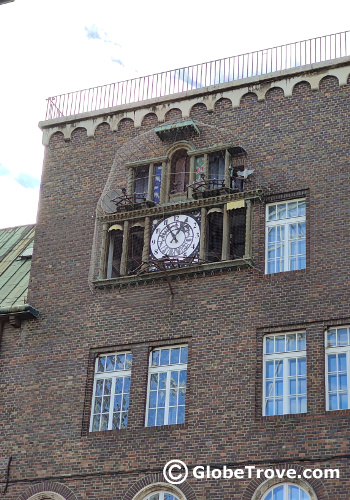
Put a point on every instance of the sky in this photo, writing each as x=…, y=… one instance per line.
x=49, y=48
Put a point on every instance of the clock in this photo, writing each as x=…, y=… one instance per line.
x=175, y=237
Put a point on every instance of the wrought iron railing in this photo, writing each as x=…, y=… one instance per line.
x=202, y=75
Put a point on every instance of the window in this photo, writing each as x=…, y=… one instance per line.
x=179, y=172
x=338, y=367
x=141, y=183
x=284, y=374
x=146, y=182
x=285, y=236
x=167, y=386
x=286, y=491
x=110, y=402
x=161, y=495
x=217, y=169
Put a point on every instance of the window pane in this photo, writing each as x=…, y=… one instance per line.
x=108, y=386
x=333, y=402
x=164, y=357
x=342, y=362
x=181, y=415
x=271, y=214
x=332, y=382
x=269, y=345
x=154, y=381
x=99, y=387
x=301, y=207
x=291, y=342
x=269, y=369
x=331, y=338
x=110, y=363
x=155, y=358
x=278, y=493
x=151, y=418
x=184, y=354
x=101, y=364
x=301, y=366
x=280, y=343
x=119, y=385
x=96, y=423
x=120, y=361
x=128, y=361
x=293, y=209
x=160, y=416
x=175, y=356
x=342, y=336
x=301, y=337
x=292, y=366
x=343, y=400
x=269, y=407
x=332, y=362
x=281, y=211
x=153, y=399
x=342, y=382
x=126, y=384
x=302, y=404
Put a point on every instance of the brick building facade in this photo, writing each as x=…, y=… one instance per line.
x=258, y=316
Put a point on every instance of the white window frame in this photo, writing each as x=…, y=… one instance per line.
x=113, y=374
x=161, y=495
x=285, y=356
x=286, y=490
x=286, y=222
x=338, y=348
x=161, y=369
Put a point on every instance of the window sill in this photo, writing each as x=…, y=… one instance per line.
x=193, y=270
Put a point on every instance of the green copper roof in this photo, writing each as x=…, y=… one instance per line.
x=16, y=245
x=170, y=130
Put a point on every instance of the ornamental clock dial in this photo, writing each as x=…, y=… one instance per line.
x=175, y=237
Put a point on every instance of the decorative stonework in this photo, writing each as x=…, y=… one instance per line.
x=48, y=490
x=258, y=487
x=155, y=482
x=234, y=91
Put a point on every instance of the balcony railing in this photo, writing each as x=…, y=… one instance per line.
x=202, y=75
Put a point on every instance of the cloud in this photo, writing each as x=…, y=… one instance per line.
x=92, y=32
x=3, y=170
x=118, y=61
x=27, y=181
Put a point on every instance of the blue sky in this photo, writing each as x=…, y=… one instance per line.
x=51, y=48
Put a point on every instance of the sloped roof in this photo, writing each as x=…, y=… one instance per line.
x=16, y=245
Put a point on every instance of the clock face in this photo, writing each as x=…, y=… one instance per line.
x=175, y=237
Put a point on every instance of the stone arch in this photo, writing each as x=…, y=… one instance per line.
x=258, y=487
x=222, y=104
x=155, y=482
x=329, y=83
x=149, y=120
x=302, y=89
x=179, y=145
x=173, y=114
x=125, y=124
x=274, y=94
x=248, y=99
x=56, y=138
x=198, y=110
x=48, y=490
x=100, y=125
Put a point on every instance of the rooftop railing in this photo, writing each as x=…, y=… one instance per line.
x=202, y=75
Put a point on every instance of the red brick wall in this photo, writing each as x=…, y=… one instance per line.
x=293, y=143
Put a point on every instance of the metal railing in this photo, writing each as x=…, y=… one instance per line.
x=202, y=75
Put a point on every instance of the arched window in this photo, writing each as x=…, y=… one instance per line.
x=286, y=491
x=161, y=495
x=179, y=173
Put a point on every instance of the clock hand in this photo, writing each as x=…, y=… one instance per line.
x=173, y=235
